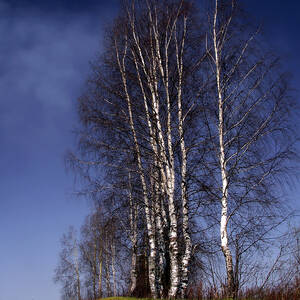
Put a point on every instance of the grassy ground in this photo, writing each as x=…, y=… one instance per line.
x=268, y=297
x=125, y=298
x=132, y=298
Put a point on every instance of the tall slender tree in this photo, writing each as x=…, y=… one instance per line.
x=247, y=113
x=68, y=271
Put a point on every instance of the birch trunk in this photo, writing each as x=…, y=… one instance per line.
x=113, y=266
x=156, y=73
x=95, y=269
x=133, y=273
x=150, y=229
x=167, y=158
x=107, y=269
x=133, y=237
x=160, y=239
x=100, y=273
x=77, y=272
x=168, y=179
x=184, y=194
x=159, y=210
x=78, y=283
x=167, y=174
x=222, y=160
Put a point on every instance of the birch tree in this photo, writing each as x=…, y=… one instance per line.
x=139, y=97
x=100, y=255
x=185, y=120
x=133, y=215
x=91, y=249
x=249, y=131
x=68, y=271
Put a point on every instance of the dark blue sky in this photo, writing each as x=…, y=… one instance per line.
x=45, y=49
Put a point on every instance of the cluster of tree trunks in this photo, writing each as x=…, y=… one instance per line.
x=186, y=122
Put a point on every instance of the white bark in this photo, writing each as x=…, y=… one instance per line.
x=167, y=181
x=100, y=272
x=150, y=229
x=107, y=268
x=76, y=264
x=222, y=160
x=184, y=194
x=77, y=273
x=95, y=269
x=168, y=158
x=156, y=71
x=113, y=266
x=133, y=237
x=160, y=238
x=159, y=210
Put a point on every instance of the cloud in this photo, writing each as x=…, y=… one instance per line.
x=44, y=63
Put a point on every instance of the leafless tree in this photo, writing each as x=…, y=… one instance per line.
x=138, y=108
x=68, y=271
x=247, y=112
x=101, y=254
x=185, y=121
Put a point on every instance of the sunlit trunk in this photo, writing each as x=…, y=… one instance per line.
x=150, y=229
x=158, y=209
x=222, y=160
x=167, y=152
x=184, y=193
x=160, y=237
x=133, y=238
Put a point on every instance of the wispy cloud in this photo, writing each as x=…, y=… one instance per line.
x=44, y=62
